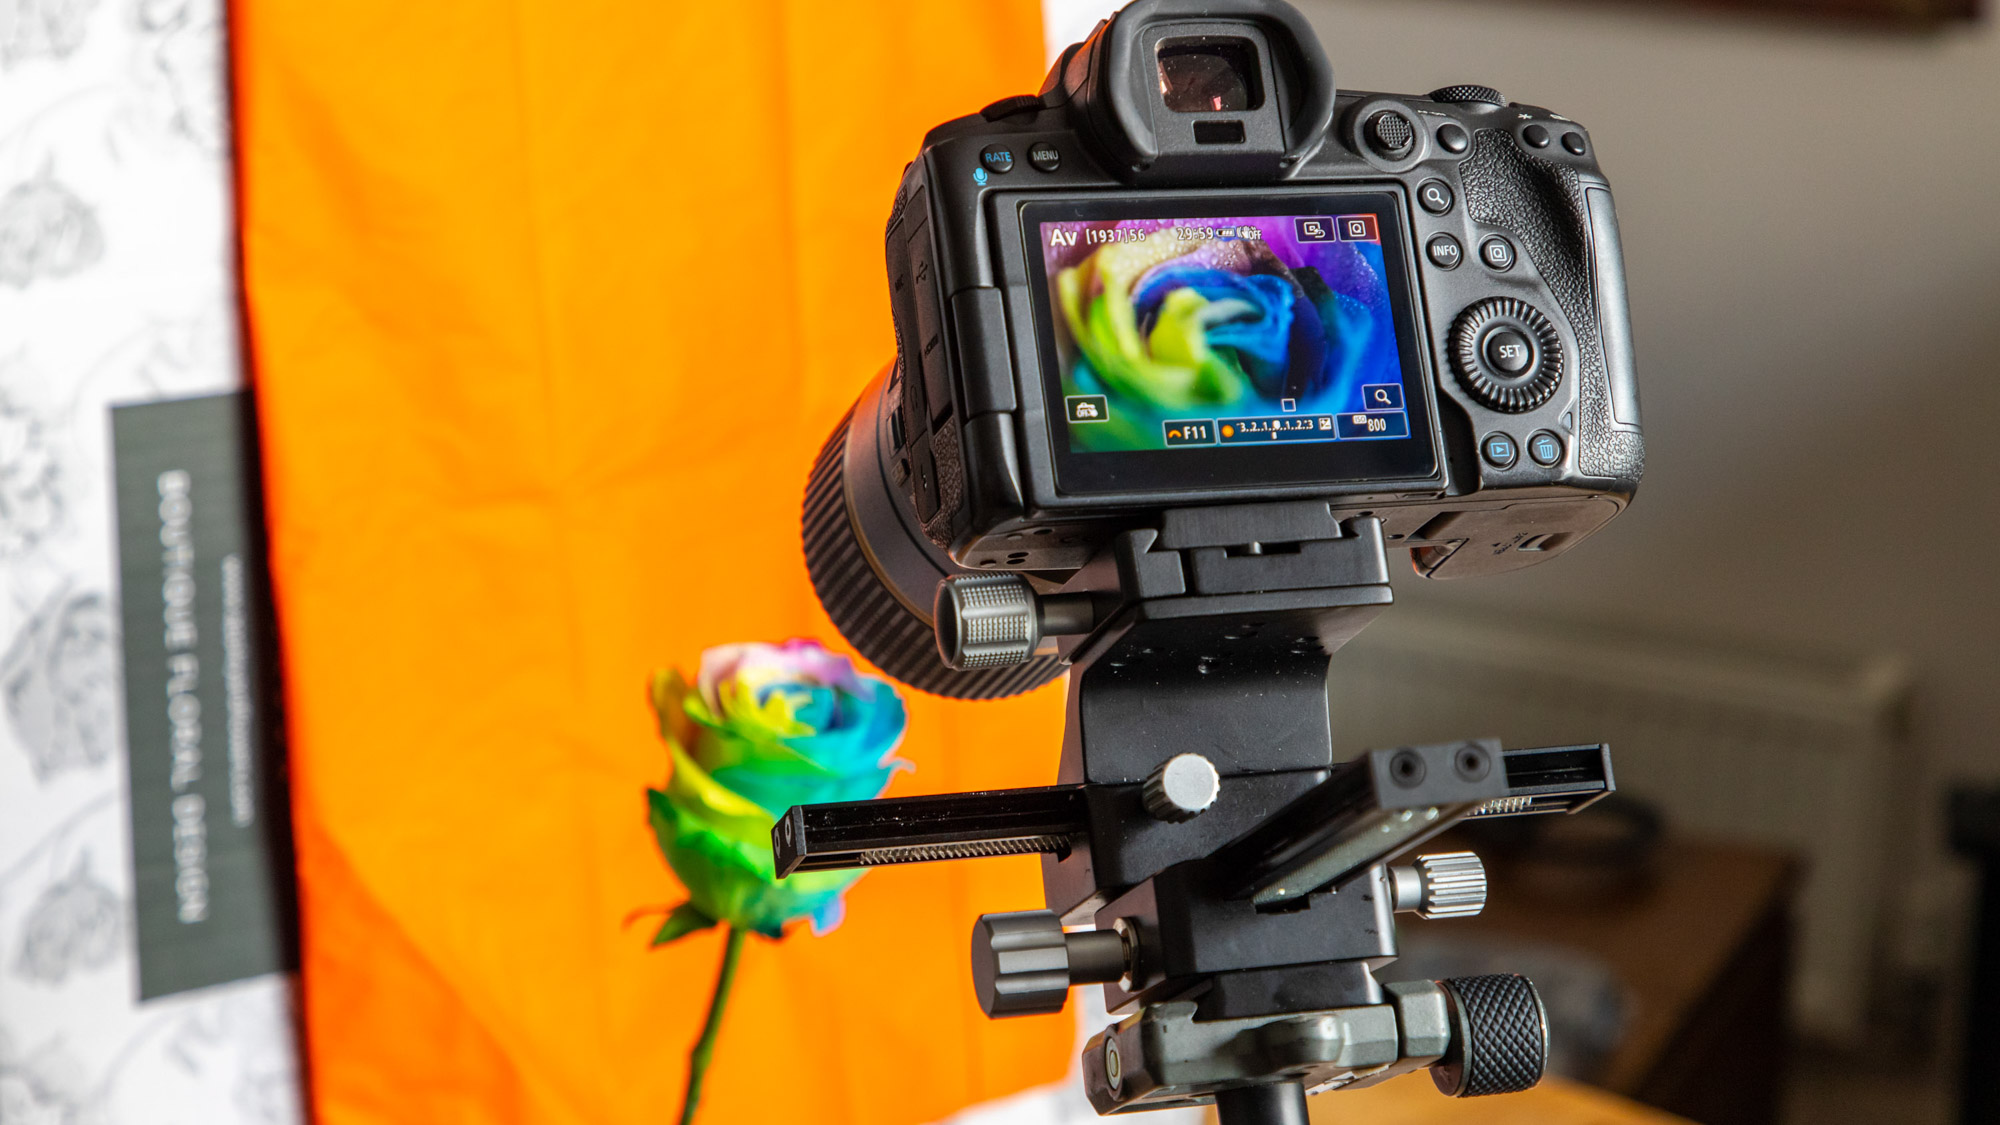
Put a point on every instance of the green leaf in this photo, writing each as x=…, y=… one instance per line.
x=685, y=920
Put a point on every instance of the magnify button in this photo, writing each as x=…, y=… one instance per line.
x=1382, y=396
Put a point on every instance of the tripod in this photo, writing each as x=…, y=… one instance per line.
x=1235, y=880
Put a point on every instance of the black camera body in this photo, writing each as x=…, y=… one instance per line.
x=1500, y=258
x=1191, y=274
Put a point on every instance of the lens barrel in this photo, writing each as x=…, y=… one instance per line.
x=876, y=573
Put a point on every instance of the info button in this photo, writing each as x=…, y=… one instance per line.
x=1444, y=251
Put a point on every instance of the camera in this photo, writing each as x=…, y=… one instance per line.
x=1191, y=273
x=1186, y=343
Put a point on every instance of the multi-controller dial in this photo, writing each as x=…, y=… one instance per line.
x=1390, y=134
x=1506, y=354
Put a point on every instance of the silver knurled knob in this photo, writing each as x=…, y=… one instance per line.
x=1181, y=788
x=1441, y=885
x=986, y=621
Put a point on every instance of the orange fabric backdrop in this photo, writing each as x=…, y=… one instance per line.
x=552, y=303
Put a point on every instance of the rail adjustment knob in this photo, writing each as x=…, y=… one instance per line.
x=1023, y=964
x=986, y=620
x=1499, y=1037
x=1441, y=885
x=1181, y=788
x=1019, y=964
x=1506, y=354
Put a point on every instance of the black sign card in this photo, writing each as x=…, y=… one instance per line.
x=211, y=856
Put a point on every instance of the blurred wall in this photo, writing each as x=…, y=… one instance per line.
x=1812, y=231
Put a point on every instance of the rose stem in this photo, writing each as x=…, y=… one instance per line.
x=705, y=1046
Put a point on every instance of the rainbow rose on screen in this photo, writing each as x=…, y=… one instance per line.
x=764, y=727
x=1206, y=328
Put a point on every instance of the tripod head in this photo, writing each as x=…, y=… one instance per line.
x=1232, y=887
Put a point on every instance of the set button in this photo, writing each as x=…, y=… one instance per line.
x=1499, y=450
x=1444, y=251
x=1507, y=351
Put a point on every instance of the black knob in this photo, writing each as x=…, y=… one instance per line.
x=1468, y=93
x=1499, y=1037
x=1506, y=354
x=1390, y=134
x=1023, y=964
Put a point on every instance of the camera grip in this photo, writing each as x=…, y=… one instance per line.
x=1566, y=227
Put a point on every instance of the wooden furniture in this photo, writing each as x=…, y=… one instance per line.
x=1703, y=950
x=1413, y=1100
x=1975, y=834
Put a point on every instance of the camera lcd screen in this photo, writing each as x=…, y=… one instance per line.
x=1238, y=345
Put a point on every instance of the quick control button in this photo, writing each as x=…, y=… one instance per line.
x=1453, y=138
x=1434, y=196
x=1499, y=451
x=1444, y=251
x=997, y=159
x=1497, y=253
x=1546, y=448
x=1390, y=134
x=1537, y=136
x=1573, y=142
x=1045, y=156
x=1507, y=351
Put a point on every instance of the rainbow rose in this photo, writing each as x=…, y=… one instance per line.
x=763, y=728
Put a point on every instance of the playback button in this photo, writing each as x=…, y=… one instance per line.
x=1500, y=450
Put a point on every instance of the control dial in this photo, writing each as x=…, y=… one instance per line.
x=1506, y=354
x=1467, y=93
